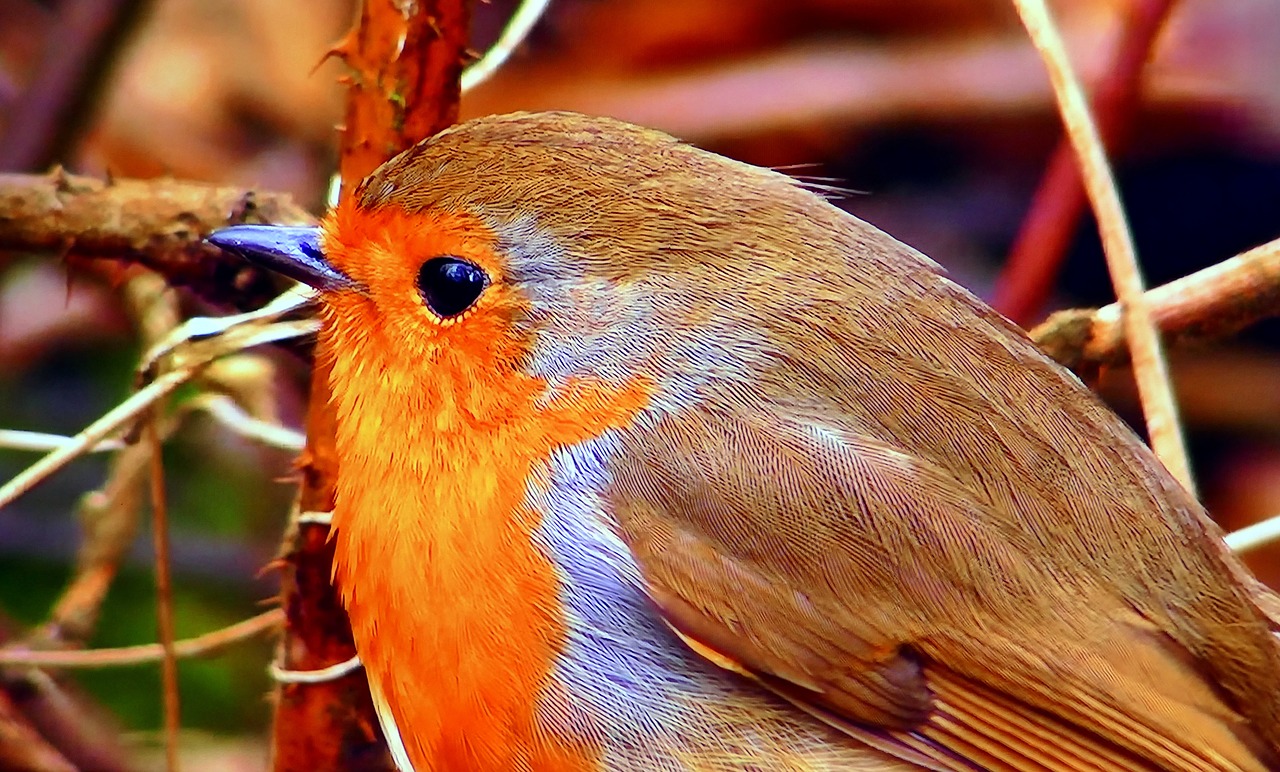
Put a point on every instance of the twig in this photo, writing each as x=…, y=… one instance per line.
x=118, y=416
x=1254, y=536
x=219, y=407
x=323, y=675
x=15, y=439
x=1150, y=368
x=195, y=337
x=201, y=354
x=164, y=595
x=518, y=28
x=1215, y=302
x=110, y=516
x=159, y=224
x=1041, y=245
x=225, y=411
x=54, y=107
x=92, y=659
x=314, y=518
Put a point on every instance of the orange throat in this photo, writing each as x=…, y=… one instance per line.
x=455, y=610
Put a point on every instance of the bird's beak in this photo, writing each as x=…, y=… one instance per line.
x=290, y=251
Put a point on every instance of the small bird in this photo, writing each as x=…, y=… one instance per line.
x=654, y=460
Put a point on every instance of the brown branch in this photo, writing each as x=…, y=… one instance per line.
x=159, y=224
x=403, y=87
x=1028, y=276
x=55, y=106
x=201, y=646
x=109, y=521
x=1217, y=302
x=317, y=724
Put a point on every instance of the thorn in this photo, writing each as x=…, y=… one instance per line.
x=61, y=180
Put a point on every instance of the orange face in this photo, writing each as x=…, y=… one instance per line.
x=387, y=252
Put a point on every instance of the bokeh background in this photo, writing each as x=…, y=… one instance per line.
x=935, y=115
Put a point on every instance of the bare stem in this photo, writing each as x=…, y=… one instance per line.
x=118, y=416
x=93, y=659
x=522, y=22
x=164, y=597
x=1151, y=370
x=1212, y=303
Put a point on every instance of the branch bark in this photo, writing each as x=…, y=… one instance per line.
x=405, y=67
x=1214, y=303
x=159, y=224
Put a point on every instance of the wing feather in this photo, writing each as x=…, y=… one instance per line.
x=859, y=580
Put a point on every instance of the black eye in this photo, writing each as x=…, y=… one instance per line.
x=450, y=285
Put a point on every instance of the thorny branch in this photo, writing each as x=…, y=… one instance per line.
x=159, y=224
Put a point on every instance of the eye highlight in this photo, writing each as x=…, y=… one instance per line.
x=450, y=285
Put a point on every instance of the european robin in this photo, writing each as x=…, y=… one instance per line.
x=654, y=460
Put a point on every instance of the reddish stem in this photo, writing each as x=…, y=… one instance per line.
x=1037, y=254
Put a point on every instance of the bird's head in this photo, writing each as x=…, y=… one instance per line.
x=562, y=246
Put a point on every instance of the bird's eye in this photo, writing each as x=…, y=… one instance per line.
x=449, y=285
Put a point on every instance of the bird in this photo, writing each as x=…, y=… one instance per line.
x=650, y=459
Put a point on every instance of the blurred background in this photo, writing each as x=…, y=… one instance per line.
x=936, y=116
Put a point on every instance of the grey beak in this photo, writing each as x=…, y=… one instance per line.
x=286, y=250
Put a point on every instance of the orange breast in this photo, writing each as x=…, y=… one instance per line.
x=455, y=610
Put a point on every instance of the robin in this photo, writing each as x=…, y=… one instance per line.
x=654, y=460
